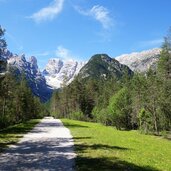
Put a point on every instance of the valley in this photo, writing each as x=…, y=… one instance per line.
x=85, y=85
x=59, y=72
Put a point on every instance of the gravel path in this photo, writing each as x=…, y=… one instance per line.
x=48, y=147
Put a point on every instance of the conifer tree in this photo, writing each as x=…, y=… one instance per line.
x=3, y=44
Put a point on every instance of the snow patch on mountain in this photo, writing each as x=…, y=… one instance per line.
x=58, y=72
x=140, y=61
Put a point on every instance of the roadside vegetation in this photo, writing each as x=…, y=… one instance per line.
x=12, y=134
x=141, y=101
x=104, y=148
x=17, y=102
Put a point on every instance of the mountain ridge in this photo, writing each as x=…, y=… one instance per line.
x=35, y=79
x=103, y=66
x=59, y=72
x=140, y=61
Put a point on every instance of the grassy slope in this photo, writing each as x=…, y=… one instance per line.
x=12, y=134
x=104, y=148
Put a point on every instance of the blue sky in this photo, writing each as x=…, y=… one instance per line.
x=80, y=28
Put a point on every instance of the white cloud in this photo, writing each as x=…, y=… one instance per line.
x=63, y=53
x=49, y=12
x=99, y=13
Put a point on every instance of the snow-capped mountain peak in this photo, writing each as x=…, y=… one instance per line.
x=58, y=71
x=33, y=62
x=53, y=66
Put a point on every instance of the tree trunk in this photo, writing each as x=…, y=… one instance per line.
x=155, y=123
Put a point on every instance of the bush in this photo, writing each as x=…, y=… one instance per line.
x=145, y=121
x=101, y=116
x=120, y=109
x=77, y=115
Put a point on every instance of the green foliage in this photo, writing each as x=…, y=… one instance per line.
x=103, y=67
x=3, y=44
x=145, y=121
x=17, y=103
x=101, y=116
x=3, y=62
x=121, y=99
x=120, y=109
x=77, y=115
x=82, y=97
x=106, y=149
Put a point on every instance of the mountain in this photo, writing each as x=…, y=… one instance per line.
x=58, y=72
x=36, y=80
x=140, y=61
x=103, y=66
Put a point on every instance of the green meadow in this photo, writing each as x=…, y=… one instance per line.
x=104, y=148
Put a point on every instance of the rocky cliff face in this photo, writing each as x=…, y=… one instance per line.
x=58, y=72
x=140, y=61
x=34, y=77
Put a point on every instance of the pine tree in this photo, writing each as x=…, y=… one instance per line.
x=120, y=109
x=138, y=94
x=56, y=105
x=3, y=45
x=7, y=91
x=164, y=73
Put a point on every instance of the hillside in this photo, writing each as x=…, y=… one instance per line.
x=101, y=66
x=58, y=72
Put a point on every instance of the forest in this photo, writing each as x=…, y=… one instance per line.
x=135, y=101
x=141, y=101
x=17, y=102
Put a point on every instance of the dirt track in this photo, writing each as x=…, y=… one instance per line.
x=48, y=147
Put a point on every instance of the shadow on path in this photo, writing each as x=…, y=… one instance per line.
x=49, y=146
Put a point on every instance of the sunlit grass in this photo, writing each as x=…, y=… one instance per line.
x=104, y=148
x=12, y=134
